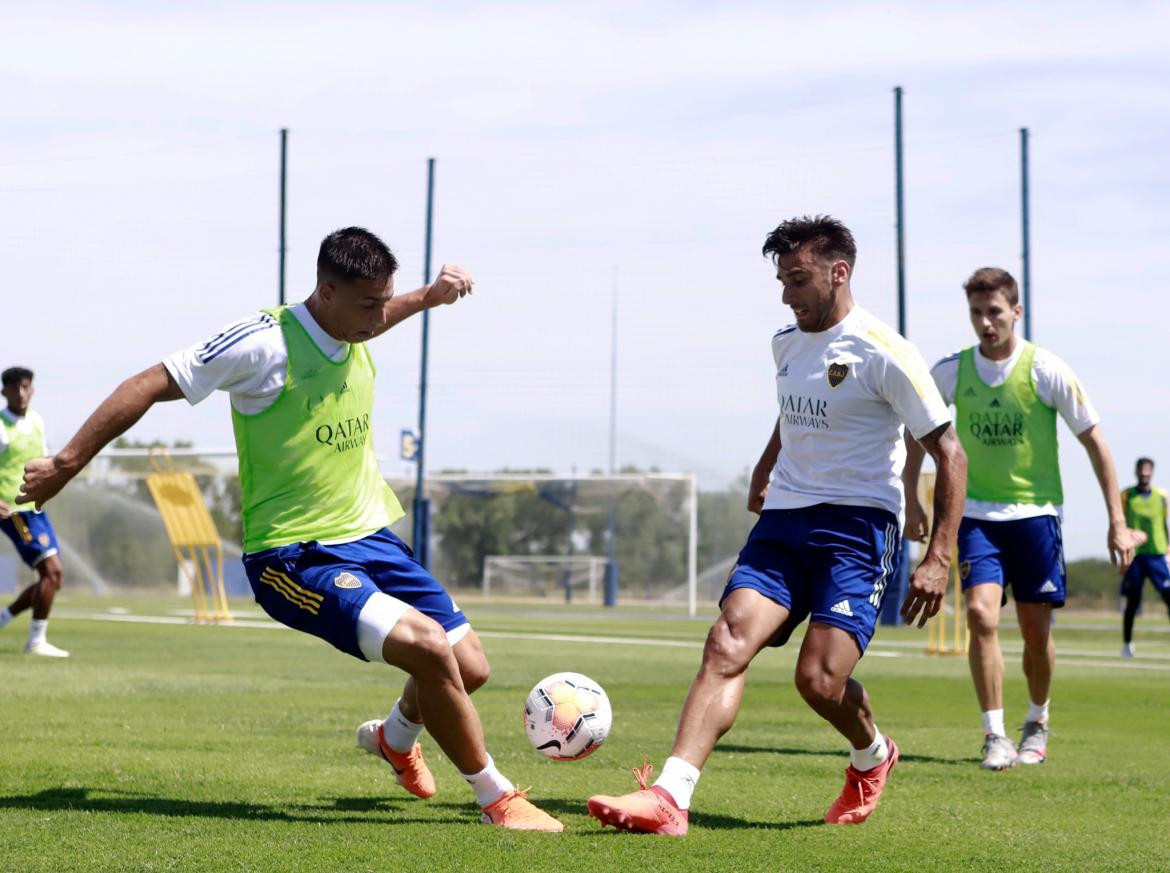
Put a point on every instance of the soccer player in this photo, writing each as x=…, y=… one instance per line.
x=316, y=510
x=22, y=438
x=1145, y=511
x=828, y=491
x=1007, y=393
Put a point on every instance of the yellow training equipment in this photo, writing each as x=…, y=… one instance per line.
x=193, y=536
x=949, y=634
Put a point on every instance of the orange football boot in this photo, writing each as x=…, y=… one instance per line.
x=515, y=811
x=862, y=791
x=650, y=810
x=410, y=770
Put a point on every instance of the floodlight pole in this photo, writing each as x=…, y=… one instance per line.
x=422, y=506
x=611, y=569
x=900, y=210
x=901, y=582
x=283, y=203
x=1025, y=230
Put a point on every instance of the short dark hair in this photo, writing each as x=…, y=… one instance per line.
x=15, y=374
x=824, y=234
x=1141, y=461
x=988, y=279
x=354, y=253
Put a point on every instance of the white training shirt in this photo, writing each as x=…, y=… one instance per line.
x=248, y=359
x=30, y=420
x=1056, y=386
x=844, y=395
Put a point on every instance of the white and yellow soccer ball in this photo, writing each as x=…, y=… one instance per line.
x=567, y=716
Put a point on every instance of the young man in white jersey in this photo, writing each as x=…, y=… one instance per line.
x=1007, y=393
x=318, y=549
x=828, y=491
x=22, y=438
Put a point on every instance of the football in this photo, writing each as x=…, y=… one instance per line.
x=567, y=716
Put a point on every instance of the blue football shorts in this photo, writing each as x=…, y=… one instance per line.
x=323, y=589
x=32, y=534
x=828, y=562
x=1026, y=554
x=1152, y=567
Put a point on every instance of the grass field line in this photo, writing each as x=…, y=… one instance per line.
x=1079, y=657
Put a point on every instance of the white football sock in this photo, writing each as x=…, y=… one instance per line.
x=399, y=731
x=489, y=784
x=679, y=778
x=871, y=755
x=993, y=723
x=5, y=616
x=1038, y=711
x=36, y=630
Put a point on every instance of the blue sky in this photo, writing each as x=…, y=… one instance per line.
x=138, y=164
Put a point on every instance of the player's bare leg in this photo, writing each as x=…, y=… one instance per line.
x=823, y=669
x=824, y=679
x=745, y=625
x=1039, y=664
x=418, y=645
x=985, y=658
x=39, y=596
x=473, y=668
x=395, y=738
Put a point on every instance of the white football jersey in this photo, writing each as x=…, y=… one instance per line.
x=248, y=359
x=844, y=396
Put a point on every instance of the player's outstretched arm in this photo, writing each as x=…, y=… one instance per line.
x=452, y=283
x=915, y=515
x=1121, y=541
x=44, y=477
x=928, y=583
x=762, y=474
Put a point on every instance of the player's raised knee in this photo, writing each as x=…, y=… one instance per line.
x=725, y=652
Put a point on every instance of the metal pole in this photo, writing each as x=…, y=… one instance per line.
x=901, y=580
x=283, y=202
x=422, y=509
x=693, y=547
x=611, y=569
x=1025, y=255
x=900, y=210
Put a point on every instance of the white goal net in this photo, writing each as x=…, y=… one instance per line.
x=573, y=578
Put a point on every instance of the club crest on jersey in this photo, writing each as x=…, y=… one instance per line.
x=837, y=373
x=346, y=580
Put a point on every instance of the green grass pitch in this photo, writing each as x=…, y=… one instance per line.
x=176, y=747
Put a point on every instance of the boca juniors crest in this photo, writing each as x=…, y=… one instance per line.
x=837, y=373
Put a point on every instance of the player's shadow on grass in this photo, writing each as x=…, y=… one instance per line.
x=113, y=800
x=576, y=806
x=723, y=823
x=836, y=753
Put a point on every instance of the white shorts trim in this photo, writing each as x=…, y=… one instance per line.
x=47, y=553
x=375, y=622
x=457, y=633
